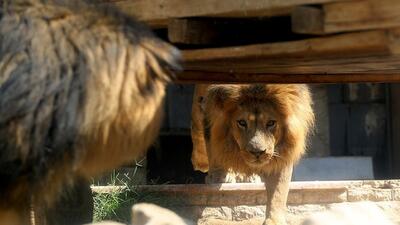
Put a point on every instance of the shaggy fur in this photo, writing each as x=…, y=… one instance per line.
x=252, y=129
x=81, y=92
x=292, y=103
x=199, y=154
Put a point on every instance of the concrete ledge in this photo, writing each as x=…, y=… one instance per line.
x=314, y=192
x=244, y=203
x=295, y=185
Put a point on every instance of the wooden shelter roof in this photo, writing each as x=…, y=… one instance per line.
x=279, y=41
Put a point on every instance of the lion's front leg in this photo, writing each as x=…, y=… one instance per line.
x=199, y=153
x=277, y=186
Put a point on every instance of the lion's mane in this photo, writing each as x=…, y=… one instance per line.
x=293, y=103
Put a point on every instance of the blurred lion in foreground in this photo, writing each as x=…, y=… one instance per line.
x=252, y=129
x=81, y=92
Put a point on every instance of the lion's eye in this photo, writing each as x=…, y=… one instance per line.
x=242, y=123
x=271, y=123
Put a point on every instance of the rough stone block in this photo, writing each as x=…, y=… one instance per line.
x=224, y=213
x=245, y=212
x=396, y=194
x=324, y=196
x=363, y=194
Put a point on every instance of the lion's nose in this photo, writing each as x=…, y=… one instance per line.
x=257, y=152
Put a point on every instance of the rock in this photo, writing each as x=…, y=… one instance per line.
x=106, y=223
x=150, y=214
x=360, y=213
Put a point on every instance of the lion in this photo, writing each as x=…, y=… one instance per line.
x=252, y=129
x=81, y=93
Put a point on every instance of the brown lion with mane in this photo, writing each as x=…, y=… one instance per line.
x=252, y=129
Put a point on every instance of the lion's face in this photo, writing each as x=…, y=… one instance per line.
x=253, y=128
x=256, y=129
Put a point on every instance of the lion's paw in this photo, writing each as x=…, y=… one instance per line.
x=201, y=166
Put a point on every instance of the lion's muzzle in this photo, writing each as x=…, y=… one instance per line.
x=260, y=145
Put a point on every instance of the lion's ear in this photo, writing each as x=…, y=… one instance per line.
x=221, y=95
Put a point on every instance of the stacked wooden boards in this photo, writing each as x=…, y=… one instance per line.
x=282, y=41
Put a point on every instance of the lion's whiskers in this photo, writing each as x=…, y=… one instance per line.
x=275, y=154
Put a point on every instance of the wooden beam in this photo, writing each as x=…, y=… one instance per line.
x=368, y=56
x=308, y=20
x=346, y=16
x=158, y=12
x=353, y=44
x=191, y=31
x=359, y=69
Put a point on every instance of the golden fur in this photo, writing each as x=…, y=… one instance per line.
x=199, y=153
x=81, y=92
x=242, y=130
x=292, y=104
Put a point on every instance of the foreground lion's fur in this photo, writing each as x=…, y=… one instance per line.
x=81, y=92
x=252, y=129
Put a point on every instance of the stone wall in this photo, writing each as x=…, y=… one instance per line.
x=241, y=203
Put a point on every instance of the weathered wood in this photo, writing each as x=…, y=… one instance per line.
x=191, y=31
x=157, y=12
x=308, y=20
x=362, y=43
x=359, y=69
x=368, y=56
x=346, y=16
x=199, y=77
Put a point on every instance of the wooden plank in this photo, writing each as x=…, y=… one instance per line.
x=191, y=31
x=341, y=70
x=308, y=20
x=346, y=16
x=157, y=12
x=363, y=43
x=368, y=56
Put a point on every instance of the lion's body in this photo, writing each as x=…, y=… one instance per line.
x=251, y=129
x=81, y=92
